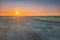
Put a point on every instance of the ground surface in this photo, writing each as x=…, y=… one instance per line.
x=27, y=28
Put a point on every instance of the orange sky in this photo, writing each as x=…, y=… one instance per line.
x=30, y=13
x=29, y=8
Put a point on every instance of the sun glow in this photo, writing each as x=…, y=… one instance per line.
x=17, y=12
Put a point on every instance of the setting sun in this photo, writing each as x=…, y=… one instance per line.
x=17, y=12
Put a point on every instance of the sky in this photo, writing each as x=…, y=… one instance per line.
x=29, y=7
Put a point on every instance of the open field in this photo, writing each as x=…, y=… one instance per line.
x=28, y=28
x=51, y=19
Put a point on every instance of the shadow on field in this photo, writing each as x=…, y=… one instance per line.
x=3, y=34
x=32, y=36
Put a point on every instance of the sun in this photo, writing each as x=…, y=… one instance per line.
x=17, y=12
